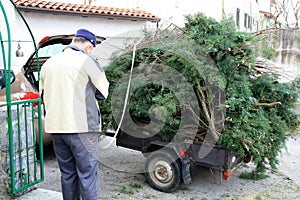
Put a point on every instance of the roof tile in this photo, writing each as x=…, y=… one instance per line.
x=40, y=5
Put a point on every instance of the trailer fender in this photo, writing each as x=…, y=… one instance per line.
x=186, y=171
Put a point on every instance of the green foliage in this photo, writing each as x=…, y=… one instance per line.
x=259, y=109
x=259, y=130
x=253, y=175
x=125, y=190
x=263, y=46
x=161, y=93
x=131, y=189
x=136, y=185
x=268, y=52
x=258, y=198
x=297, y=37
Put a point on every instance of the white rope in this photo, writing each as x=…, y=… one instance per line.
x=126, y=99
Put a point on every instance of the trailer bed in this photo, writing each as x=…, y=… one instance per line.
x=169, y=163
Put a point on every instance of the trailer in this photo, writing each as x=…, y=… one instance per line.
x=168, y=164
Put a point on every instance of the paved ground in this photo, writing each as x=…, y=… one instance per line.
x=290, y=160
x=41, y=194
x=120, y=180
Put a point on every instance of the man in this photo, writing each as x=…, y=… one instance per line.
x=69, y=81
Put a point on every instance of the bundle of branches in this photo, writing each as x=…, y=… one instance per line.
x=202, y=85
x=175, y=89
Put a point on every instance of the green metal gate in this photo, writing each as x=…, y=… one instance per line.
x=23, y=123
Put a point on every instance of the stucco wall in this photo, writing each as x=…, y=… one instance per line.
x=174, y=10
x=46, y=24
x=49, y=24
x=286, y=46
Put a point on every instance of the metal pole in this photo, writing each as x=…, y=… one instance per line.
x=6, y=56
x=39, y=100
x=7, y=63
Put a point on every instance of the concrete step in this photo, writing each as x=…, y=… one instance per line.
x=41, y=194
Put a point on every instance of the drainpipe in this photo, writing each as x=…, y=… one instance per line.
x=223, y=12
x=251, y=15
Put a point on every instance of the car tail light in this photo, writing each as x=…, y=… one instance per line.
x=226, y=175
x=44, y=39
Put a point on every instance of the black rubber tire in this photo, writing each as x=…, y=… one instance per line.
x=163, y=171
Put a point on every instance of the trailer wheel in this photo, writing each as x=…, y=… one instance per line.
x=163, y=171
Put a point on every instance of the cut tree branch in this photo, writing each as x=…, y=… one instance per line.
x=268, y=104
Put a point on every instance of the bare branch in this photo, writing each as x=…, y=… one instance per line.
x=286, y=13
x=268, y=104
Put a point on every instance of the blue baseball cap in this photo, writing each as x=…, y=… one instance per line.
x=87, y=35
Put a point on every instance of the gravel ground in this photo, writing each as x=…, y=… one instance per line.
x=121, y=178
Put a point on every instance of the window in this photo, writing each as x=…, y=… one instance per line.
x=238, y=17
x=51, y=50
x=249, y=21
x=245, y=20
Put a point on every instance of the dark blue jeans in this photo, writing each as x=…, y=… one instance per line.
x=77, y=156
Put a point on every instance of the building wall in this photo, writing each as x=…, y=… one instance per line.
x=249, y=15
x=14, y=23
x=217, y=9
x=47, y=24
x=59, y=24
x=265, y=13
x=175, y=10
